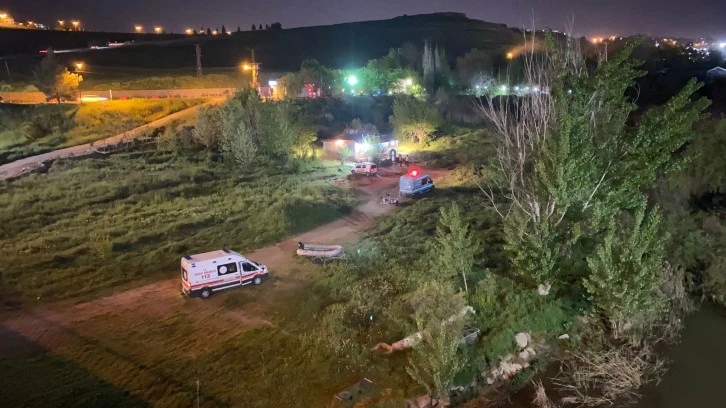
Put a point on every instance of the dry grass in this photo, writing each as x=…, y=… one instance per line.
x=610, y=376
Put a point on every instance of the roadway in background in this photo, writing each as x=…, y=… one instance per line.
x=39, y=97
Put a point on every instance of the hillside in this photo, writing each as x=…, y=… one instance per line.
x=19, y=41
x=338, y=46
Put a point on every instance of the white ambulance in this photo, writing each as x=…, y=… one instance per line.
x=203, y=274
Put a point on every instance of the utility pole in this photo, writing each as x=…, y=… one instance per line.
x=255, y=68
x=7, y=68
x=198, y=49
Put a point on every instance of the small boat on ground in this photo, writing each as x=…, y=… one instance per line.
x=320, y=251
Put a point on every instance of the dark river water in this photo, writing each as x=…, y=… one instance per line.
x=696, y=377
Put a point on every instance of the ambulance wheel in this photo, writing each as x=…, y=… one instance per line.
x=206, y=293
x=257, y=280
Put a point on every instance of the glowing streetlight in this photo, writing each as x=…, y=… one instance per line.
x=76, y=24
x=510, y=55
x=272, y=83
x=79, y=66
x=139, y=28
x=254, y=67
x=158, y=29
x=61, y=22
x=352, y=80
x=3, y=16
x=215, y=32
x=189, y=31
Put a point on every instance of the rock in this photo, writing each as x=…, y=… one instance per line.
x=490, y=380
x=460, y=388
x=423, y=401
x=544, y=289
x=522, y=339
x=526, y=355
x=564, y=337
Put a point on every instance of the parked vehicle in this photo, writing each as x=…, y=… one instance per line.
x=204, y=274
x=415, y=183
x=366, y=168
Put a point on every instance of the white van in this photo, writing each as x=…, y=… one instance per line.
x=366, y=168
x=203, y=274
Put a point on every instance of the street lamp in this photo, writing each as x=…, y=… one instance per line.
x=158, y=29
x=352, y=80
x=79, y=66
x=139, y=28
x=510, y=55
x=189, y=31
x=254, y=67
x=76, y=24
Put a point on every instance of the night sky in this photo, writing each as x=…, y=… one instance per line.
x=692, y=18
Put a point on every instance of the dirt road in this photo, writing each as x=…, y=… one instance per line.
x=28, y=164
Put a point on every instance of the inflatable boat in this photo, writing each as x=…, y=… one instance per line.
x=319, y=251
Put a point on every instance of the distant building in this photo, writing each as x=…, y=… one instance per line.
x=358, y=148
x=715, y=73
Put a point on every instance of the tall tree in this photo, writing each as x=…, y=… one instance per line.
x=209, y=31
x=254, y=27
x=428, y=66
x=571, y=161
x=414, y=119
x=625, y=271
x=239, y=30
x=314, y=73
x=224, y=29
x=435, y=360
x=475, y=68
x=443, y=70
x=54, y=80
x=455, y=247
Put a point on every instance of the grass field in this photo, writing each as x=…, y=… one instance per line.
x=128, y=82
x=96, y=223
x=30, y=130
x=92, y=225
x=101, y=223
